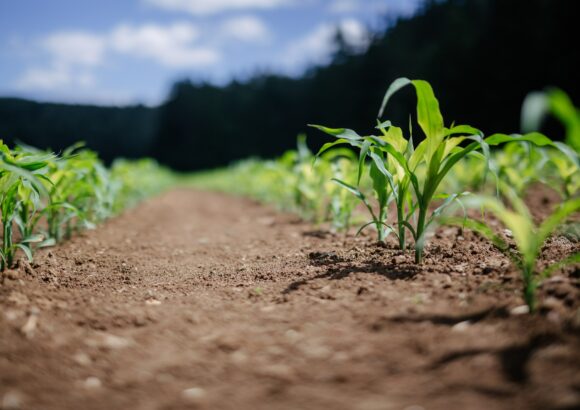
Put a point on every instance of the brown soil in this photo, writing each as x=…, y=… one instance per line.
x=202, y=300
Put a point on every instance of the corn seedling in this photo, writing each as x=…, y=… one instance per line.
x=403, y=170
x=528, y=237
x=21, y=191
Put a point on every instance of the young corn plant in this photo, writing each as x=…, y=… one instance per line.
x=563, y=162
x=382, y=190
x=529, y=237
x=80, y=193
x=411, y=175
x=556, y=102
x=567, y=172
x=342, y=203
x=21, y=191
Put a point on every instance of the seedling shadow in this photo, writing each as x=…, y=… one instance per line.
x=339, y=271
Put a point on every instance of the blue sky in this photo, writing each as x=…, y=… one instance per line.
x=130, y=51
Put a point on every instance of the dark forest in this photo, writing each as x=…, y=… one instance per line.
x=479, y=61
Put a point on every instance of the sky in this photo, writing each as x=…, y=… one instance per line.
x=119, y=52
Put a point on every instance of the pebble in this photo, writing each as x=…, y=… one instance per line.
x=293, y=336
x=397, y=260
x=193, y=394
x=30, y=326
x=461, y=326
x=82, y=359
x=520, y=310
x=109, y=341
x=93, y=383
x=12, y=400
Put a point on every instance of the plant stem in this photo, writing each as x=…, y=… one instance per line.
x=7, y=245
x=380, y=226
x=400, y=219
x=420, y=232
x=529, y=287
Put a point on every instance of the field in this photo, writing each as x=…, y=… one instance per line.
x=389, y=275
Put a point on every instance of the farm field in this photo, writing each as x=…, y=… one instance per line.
x=178, y=304
x=289, y=205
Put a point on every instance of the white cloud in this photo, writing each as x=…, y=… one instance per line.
x=317, y=46
x=54, y=77
x=246, y=28
x=205, y=7
x=76, y=47
x=172, y=46
x=71, y=55
x=355, y=34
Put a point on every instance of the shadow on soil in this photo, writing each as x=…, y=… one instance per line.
x=513, y=359
x=390, y=271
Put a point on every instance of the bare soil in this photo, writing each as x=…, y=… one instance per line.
x=203, y=300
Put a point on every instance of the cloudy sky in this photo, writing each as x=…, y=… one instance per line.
x=128, y=51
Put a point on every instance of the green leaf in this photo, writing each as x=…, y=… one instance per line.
x=429, y=116
x=338, y=132
x=553, y=221
x=534, y=109
x=570, y=260
x=461, y=129
x=383, y=125
x=47, y=242
x=362, y=158
x=379, y=163
x=329, y=145
x=379, y=183
x=27, y=251
x=534, y=137
x=362, y=228
x=479, y=227
x=350, y=188
x=33, y=238
x=393, y=88
x=562, y=107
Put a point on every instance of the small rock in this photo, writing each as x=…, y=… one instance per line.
x=520, y=310
x=293, y=336
x=12, y=400
x=92, y=383
x=550, y=304
x=239, y=357
x=461, y=326
x=193, y=394
x=508, y=233
x=82, y=359
x=109, y=341
x=397, y=260
x=30, y=326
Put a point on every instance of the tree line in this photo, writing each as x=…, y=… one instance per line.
x=481, y=56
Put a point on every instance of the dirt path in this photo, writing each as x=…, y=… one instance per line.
x=201, y=300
